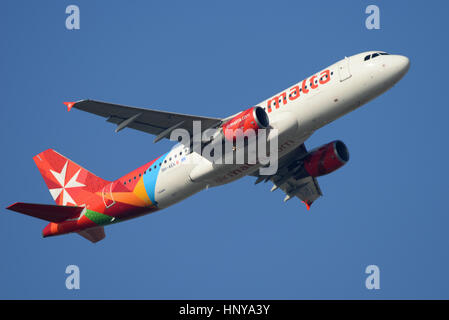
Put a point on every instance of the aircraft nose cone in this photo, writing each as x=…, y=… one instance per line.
x=396, y=67
x=402, y=64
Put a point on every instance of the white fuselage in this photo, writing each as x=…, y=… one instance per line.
x=352, y=82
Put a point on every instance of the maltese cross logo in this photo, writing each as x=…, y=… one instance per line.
x=60, y=177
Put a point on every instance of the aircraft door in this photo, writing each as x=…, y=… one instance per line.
x=343, y=69
x=108, y=198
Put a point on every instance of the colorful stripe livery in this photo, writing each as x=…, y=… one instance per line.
x=104, y=202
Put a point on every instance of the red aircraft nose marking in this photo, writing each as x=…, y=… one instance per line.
x=307, y=204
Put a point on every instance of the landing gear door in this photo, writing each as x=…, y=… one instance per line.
x=343, y=70
x=108, y=198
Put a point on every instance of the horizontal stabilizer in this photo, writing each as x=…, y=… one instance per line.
x=52, y=213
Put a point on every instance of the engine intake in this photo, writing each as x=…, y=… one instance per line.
x=254, y=118
x=326, y=159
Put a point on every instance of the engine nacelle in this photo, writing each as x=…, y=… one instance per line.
x=254, y=118
x=326, y=159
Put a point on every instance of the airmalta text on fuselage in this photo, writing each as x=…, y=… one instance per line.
x=295, y=92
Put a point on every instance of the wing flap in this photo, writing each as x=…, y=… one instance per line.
x=306, y=189
x=290, y=180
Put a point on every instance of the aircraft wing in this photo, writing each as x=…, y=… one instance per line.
x=159, y=123
x=289, y=178
x=306, y=189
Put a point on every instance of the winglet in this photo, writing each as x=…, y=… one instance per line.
x=307, y=204
x=69, y=105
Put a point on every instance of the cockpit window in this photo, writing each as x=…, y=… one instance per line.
x=372, y=56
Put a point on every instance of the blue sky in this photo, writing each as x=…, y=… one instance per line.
x=387, y=206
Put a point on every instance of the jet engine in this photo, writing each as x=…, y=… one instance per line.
x=326, y=159
x=254, y=118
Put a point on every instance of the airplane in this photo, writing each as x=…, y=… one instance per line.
x=86, y=203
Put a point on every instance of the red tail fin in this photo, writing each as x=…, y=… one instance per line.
x=68, y=183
